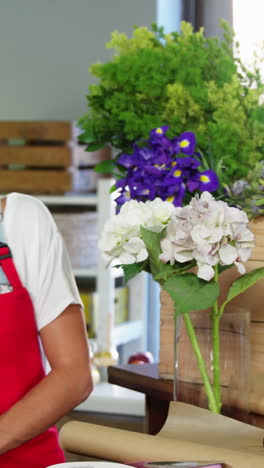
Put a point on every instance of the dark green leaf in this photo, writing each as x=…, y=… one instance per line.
x=132, y=270
x=176, y=269
x=191, y=293
x=152, y=242
x=86, y=137
x=95, y=146
x=104, y=166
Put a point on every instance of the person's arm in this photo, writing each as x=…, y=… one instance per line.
x=68, y=384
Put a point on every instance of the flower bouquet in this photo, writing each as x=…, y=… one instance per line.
x=152, y=232
x=164, y=167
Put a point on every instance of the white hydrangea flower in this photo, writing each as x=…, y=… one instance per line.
x=121, y=239
x=161, y=214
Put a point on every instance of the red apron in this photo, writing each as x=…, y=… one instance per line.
x=21, y=368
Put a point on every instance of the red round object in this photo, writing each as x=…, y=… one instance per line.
x=141, y=358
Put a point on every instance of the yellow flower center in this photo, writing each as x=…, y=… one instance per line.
x=184, y=143
x=174, y=163
x=159, y=166
x=159, y=131
x=204, y=178
x=177, y=173
x=170, y=199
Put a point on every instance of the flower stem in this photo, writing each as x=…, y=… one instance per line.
x=215, y=318
x=216, y=360
x=213, y=406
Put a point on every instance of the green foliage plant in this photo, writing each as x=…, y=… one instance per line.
x=186, y=81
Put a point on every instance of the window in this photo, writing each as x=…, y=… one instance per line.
x=248, y=26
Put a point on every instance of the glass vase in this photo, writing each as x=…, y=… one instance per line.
x=234, y=344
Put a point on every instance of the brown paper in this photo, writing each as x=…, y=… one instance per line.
x=189, y=433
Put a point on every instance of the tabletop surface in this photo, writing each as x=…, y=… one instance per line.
x=145, y=378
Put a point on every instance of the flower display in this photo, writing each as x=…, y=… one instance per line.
x=168, y=241
x=209, y=232
x=121, y=239
x=168, y=168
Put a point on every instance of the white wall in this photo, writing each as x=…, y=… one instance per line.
x=46, y=47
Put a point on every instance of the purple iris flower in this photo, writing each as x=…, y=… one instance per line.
x=203, y=181
x=174, y=178
x=143, y=191
x=143, y=153
x=159, y=132
x=123, y=197
x=177, y=197
x=163, y=168
x=186, y=143
x=128, y=160
x=122, y=183
x=187, y=162
x=208, y=181
x=161, y=155
x=156, y=169
x=160, y=143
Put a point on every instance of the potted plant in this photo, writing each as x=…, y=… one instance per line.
x=188, y=83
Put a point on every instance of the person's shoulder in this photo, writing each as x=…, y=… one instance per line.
x=31, y=208
x=24, y=199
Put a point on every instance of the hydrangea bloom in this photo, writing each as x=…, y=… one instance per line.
x=121, y=240
x=209, y=232
x=165, y=168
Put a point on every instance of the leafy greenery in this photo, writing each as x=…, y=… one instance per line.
x=184, y=80
x=191, y=293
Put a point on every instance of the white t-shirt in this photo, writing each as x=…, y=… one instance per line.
x=40, y=256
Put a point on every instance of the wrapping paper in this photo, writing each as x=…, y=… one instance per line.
x=190, y=433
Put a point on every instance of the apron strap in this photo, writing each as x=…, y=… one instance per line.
x=8, y=273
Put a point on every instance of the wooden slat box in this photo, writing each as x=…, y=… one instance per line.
x=79, y=230
x=35, y=157
x=252, y=299
x=84, y=177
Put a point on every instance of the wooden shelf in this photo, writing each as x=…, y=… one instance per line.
x=87, y=199
x=92, y=272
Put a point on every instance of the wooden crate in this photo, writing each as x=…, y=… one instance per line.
x=35, y=157
x=80, y=233
x=252, y=299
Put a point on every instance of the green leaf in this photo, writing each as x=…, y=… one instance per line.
x=152, y=242
x=241, y=284
x=259, y=202
x=86, y=137
x=113, y=188
x=95, y=146
x=132, y=270
x=191, y=293
x=159, y=270
x=104, y=166
x=176, y=269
